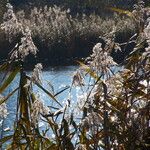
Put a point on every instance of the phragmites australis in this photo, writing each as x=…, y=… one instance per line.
x=92, y=119
x=38, y=109
x=3, y=109
x=13, y=27
x=26, y=46
x=100, y=61
x=77, y=79
x=147, y=35
x=36, y=74
x=81, y=147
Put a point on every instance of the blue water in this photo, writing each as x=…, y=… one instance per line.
x=58, y=77
x=54, y=80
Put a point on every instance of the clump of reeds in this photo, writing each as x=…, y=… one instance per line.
x=112, y=109
x=52, y=24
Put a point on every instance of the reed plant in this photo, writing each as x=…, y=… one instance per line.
x=54, y=24
x=112, y=107
x=54, y=28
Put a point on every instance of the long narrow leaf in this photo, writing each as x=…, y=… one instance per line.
x=8, y=81
x=3, y=66
x=61, y=91
x=46, y=91
x=121, y=11
x=88, y=70
x=5, y=139
x=8, y=96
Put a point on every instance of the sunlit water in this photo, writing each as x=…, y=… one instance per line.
x=54, y=80
x=58, y=78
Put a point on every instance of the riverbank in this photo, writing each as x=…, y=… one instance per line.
x=62, y=39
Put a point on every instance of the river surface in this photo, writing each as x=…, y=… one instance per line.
x=58, y=78
x=54, y=79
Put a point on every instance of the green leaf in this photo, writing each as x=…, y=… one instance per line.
x=122, y=11
x=3, y=67
x=53, y=147
x=8, y=96
x=83, y=137
x=46, y=91
x=61, y=91
x=24, y=101
x=88, y=70
x=8, y=81
x=5, y=139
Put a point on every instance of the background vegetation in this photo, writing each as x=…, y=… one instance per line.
x=82, y=22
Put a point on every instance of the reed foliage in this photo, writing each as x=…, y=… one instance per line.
x=112, y=110
x=54, y=28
